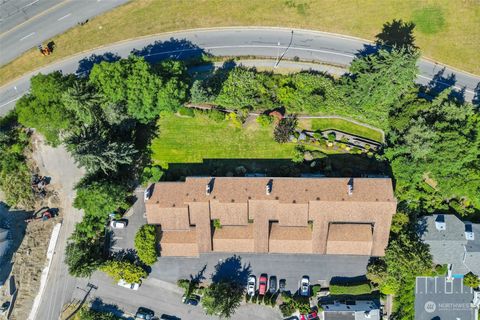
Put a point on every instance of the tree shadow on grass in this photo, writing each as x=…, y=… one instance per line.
x=231, y=270
x=86, y=64
x=336, y=165
x=177, y=49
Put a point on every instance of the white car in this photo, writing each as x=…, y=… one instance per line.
x=147, y=193
x=305, y=286
x=251, y=285
x=125, y=284
x=118, y=224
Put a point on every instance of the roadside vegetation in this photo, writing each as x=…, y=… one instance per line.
x=439, y=24
x=15, y=176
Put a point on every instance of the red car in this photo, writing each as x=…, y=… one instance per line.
x=262, y=284
x=311, y=316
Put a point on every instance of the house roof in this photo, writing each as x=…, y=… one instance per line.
x=284, y=190
x=450, y=246
x=234, y=232
x=350, y=232
x=290, y=233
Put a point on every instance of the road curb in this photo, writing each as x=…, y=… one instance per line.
x=45, y=272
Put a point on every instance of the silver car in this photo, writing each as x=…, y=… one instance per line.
x=251, y=285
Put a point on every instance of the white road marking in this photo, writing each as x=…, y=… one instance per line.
x=8, y=102
x=28, y=5
x=28, y=35
x=446, y=84
x=65, y=16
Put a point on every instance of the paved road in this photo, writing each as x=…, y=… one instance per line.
x=25, y=24
x=307, y=45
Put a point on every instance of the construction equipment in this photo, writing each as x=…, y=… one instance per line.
x=43, y=214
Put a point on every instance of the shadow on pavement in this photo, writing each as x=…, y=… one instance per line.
x=178, y=49
x=86, y=64
x=231, y=270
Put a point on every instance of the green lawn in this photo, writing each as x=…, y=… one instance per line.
x=191, y=140
x=343, y=125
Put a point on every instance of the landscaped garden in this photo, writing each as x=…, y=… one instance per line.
x=343, y=125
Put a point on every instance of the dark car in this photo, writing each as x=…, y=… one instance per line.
x=272, y=284
x=144, y=314
x=282, y=285
x=192, y=300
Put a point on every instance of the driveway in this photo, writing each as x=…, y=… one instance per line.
x=320, y=268
x=124, y=239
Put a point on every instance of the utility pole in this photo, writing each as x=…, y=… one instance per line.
x=284, y=52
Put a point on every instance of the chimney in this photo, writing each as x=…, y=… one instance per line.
x=268, y=187
x=469, y=235
x=350, y=187
x=208, y=189
x=440, y=224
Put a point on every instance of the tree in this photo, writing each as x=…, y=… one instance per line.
x=223, y=298
x=284, y=129
x=245, y=87
x=471, y=280
x=43, y=108
x=100, y=197
x=88, y=314
x=92, y=147
x=146, y=91
x=146, y=244
x=82, y=257
x=83, y=101
x=123, y=270
x=264, y=120
x=379, y=81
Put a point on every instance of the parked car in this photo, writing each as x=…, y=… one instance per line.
x=262, y=284
x=144, y=314
x=118, y=224
x=272, y=284
x=282, y=285
x=305, y=286
x=125, y=284
x=147, y=193
x=193, y=300
x=251, y=285
x=168, y=317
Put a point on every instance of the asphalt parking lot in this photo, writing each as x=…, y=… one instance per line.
x=438, y=298
x=320, y=268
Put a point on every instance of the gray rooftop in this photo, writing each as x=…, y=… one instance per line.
x=447, y=237
x=438, y=298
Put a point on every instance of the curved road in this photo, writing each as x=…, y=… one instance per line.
x=24, y=24
x=268, y=42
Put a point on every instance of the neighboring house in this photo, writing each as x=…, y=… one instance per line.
x=351, y=310
x=452, y=242
x=443, y=298
x=273, y=215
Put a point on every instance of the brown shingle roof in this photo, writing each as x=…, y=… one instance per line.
x=349, y=238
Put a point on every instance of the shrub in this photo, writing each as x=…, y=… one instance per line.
x=284, y=129
x=234, y=119
x=298, y=154
x=183, y=283
x=217, y=224
x=151, y=175
x=331, y=136
x=471, y=280
x=216, y=115
x=264, y=120
x=254, y=298
x=198, y=93
x=125, y=270
x=247, y=297
x=146, y=244
x=287, y=309
x=350, y=288
x=315, y=289
x=186, y=112
x=318, y=136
